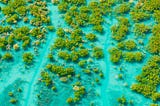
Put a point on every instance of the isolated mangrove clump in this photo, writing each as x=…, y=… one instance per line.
x=50, y=57
x=7, y=56
x=115, y=55
x=82, y=63
x=122, y=100
x=98, y=52
x=15, y=46
x=28, y=57
x=13, y=101
x=50, y=28
x=46, y=78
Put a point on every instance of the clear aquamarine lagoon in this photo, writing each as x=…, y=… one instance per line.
x=25, y=81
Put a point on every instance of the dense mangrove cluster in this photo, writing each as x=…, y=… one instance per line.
x=148, y=80
x=134, y=50
x=78, y=14
x=23, y=29
x=126, y=48
x=68, y=52
x=16, y=37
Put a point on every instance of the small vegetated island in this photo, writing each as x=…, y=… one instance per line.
x=67, y=52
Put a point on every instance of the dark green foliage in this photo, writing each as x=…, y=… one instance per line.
x=4, y=1
x=122, y=100
x=8, y=10
x=153, y=45
x=59, y=43
x=7, y=56
x=28, y=58
x=127, y=45
x=123, y=20
x=130, y=45
x=82, y=63
x=119, y=32
x=60, y=70
x=4, y=29
x=21, y=10
x=146, y=90
x=74, y=56
x=115, y=55
x=156, y=16
x=64, y=55
x=14, y=6
x=3, y=43
x=50, y=28
x=37, y=33
x=21, y=32
x=13, y=101
x=122, y=8
x=16, y=3
x=138, y=16
x=155, y=30
x=151, y=5
x=46, y=78
x=60, y=32
x=141, y=29
x=153, y=104
x=79, y=92
x=69, y=100
x=98, y=52
x=133, y=56
x=50, y=57
x=149, y=79
x=62, y=7
x=83, y=52
x=86, y=15
x=75, y=2
x=87, y=71
x=91, y=37
x=98, y=28
x=37, y=9
x=13, y=19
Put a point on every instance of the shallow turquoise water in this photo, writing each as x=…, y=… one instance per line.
x=14, y=75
